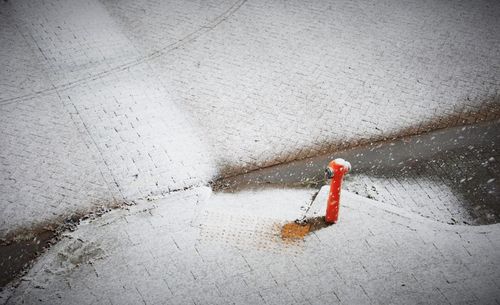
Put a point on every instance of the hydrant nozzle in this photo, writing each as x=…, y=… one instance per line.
x=336, y=170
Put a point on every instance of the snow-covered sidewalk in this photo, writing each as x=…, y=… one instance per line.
x=196, y=247
x=102, y=102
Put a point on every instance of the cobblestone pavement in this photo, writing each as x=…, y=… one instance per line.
x=435, y=189
x=299, y=77
x=195, y=247
x=105, y=102
x=91, y=134
x=450, y=175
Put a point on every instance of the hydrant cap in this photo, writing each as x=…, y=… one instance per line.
x=343, y=163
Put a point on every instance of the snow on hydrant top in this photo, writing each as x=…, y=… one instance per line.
x=341, y=162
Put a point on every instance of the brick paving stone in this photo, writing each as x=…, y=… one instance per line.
x=104, y=102
x=94, y=263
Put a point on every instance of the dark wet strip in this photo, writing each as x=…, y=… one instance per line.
x=464, y=159
x=16, y=254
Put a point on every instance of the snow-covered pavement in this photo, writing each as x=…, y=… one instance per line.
x=102, y=131
x=195, y=247
x=103, y=102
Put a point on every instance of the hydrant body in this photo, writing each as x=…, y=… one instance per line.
x=336, y=171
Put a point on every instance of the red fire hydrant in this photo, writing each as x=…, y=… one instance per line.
x=336, y=170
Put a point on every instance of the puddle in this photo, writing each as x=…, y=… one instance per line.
x=299, y=229
x=450, y=175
